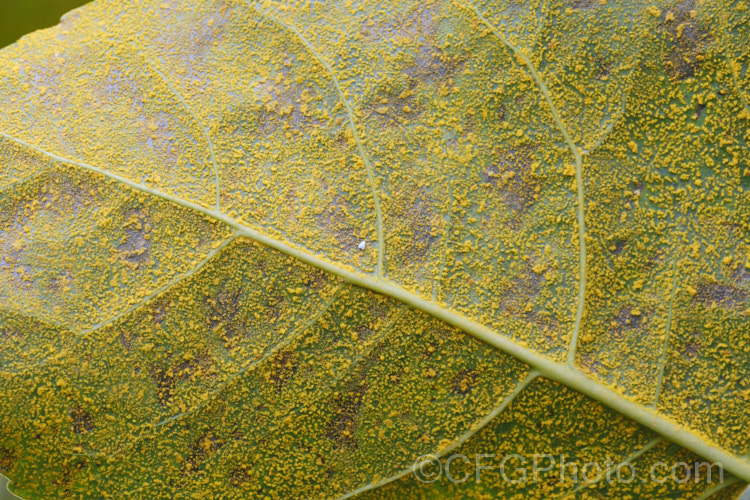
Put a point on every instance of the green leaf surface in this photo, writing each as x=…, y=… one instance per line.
x=285, y=249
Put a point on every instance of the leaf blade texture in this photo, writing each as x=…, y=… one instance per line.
x=553, y=198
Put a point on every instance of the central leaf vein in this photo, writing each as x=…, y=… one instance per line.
x=563, y=373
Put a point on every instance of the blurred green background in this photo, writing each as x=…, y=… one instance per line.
x=18, y=17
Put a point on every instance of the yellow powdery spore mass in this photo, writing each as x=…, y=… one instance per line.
x=569, y=436
x=460, y=185
x=79, y=250
x=670, y=237
x=282, y=249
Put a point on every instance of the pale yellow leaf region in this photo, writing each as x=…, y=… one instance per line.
x=289, y=249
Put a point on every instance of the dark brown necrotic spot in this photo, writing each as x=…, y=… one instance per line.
x=429, y=349
x=463, y=382
x=201, y=449
x=82, y=420
x=691, y=349
x=342, y=427
x=688, y=40
x=625, y=320
x=583, y=4
x=136, y=243
x=618, y=246
x=68, y=471
x=7, y=459
x=226, y=317
x=165, y=384
x=199, y=366
x=726, y=296
x=513, y=178
x=283, y=368
x=603, y=69
x=699, y=111
x=363, y=332
x=502, y=112
x=241, y=476
x=521, y=290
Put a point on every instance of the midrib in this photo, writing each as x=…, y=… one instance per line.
x=565, y=374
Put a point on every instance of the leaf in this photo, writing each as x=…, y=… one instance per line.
x=287, y=249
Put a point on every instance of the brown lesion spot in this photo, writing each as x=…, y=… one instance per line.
x=283, y=368
x=285, y=105
x=688, y=38
x=166, y=383
x=692, y=347
x=378, y=309
x=463, y=382
x=342, y=427
x=82, y=420
x=589, y=363
x=434, y=66
x=9, y=333
x=514, y=179
x=226, y=317
x=625, y=320
x=274, y=307
x=412, y=217
x=583, y=4
x=726, y=296
x=741, y=275
x=135, y=246
x=159, y=310
x=241, y=475
x=336, y=222
x=61, y=283
x=549, y=325
x=393, y=105
x=422, y=21
x=128, y=340
x=8, y=459
x=193, y=37
x=521, y=290
x=201, y=449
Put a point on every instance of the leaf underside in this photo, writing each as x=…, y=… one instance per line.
x=282, y=250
